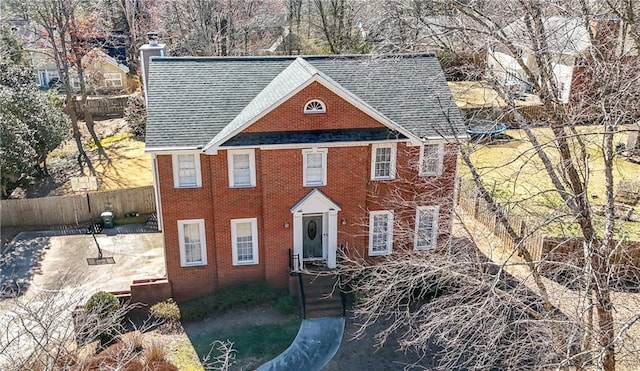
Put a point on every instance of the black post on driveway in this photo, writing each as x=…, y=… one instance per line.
x=92, y=227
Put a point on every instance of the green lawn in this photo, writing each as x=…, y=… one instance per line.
x=254, y=345
x=516, y=176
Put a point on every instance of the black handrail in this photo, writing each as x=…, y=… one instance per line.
x=303, y=298
x=291, y=257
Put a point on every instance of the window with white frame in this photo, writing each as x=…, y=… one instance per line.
x=431, y=159
x=314, y=163
x=186, y=171
x=75, y=82
x=242, y=168
x=244, y=241
x=315, y=106
x=380, y=232
x=426, y=235
x=193, y=246
x=383, y=161
x=113, y=80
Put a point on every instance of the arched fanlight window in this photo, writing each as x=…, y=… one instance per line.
x=315, y=106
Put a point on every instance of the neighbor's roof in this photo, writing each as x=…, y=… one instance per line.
x=193, y=100
x=564, y=35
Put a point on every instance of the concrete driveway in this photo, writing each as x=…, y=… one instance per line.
x=53, y=262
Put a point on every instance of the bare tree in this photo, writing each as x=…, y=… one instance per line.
x=66, y=40
x=603, y=95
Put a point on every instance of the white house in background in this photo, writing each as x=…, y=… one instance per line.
x=568, y=40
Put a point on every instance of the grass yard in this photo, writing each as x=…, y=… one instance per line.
x=254, y=344
x=126, y=164
x=513, y=172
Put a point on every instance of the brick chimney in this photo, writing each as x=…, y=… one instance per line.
x=147, y=51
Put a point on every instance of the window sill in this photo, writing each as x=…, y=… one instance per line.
x=192, y=265
x=314, y=185
x=242, y=264
x=379, y=253
x=242, y=186
x=382, y=179
x=188, y=187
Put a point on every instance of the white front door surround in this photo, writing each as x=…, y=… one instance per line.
x=316, y=203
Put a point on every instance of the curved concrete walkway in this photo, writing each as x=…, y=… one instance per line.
x=317, y=342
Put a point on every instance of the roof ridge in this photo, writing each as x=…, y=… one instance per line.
x=306, y=58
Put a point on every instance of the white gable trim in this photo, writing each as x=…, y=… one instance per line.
x=315, y=202
x=327, y=82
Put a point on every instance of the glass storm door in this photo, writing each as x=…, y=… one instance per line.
x=312, y=237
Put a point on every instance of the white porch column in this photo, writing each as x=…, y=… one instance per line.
x=297, y=241
x=333, y=239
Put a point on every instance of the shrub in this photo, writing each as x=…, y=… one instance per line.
x=102, y=304
x=227, y=298
x=166, y=310
x=286, y=305
x=102, y=312
x=135, y=114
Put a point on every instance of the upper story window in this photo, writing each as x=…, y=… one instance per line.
x=431, y=159
x=383, y=161
x=242, y=168
x=315, y=106
x=426, y=227
x=193, y=245
x=380, y=232
x=186, y=171
x=314, y=163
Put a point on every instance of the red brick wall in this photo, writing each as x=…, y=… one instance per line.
x=289, y=116
x=279, y=187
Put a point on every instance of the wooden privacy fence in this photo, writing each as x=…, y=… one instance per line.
x=470, y=201
x=107, y=105
x=67, y=210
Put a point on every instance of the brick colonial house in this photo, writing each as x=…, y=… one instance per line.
x=262, y=165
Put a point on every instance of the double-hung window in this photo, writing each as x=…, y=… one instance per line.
x=431, y=159
x=186, y=171
x=314, y=162
x=426, y=235
x=193, y=246
x=244, y=241
x=113, y=80
x=380, y=232
x=383, y=161
x=242, y=168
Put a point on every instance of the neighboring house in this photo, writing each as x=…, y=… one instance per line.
x=567, y=38
x=262, y=165
x=102, y=72
x=569, y=47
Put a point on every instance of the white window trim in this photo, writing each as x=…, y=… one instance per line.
x=389, y=215
x=114, y=78
x=322, y=151
x=252, y=167
x=438, y=172
x=436, y=214
x=392, y=170
x=322, y=110
x=176, y=170
x=203, y=242
x=254, y=242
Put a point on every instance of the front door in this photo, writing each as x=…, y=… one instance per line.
x=312, y=237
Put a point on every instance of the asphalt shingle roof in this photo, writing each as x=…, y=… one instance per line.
x=191, y=100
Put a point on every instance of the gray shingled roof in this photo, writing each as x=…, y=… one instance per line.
x=191, y=100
